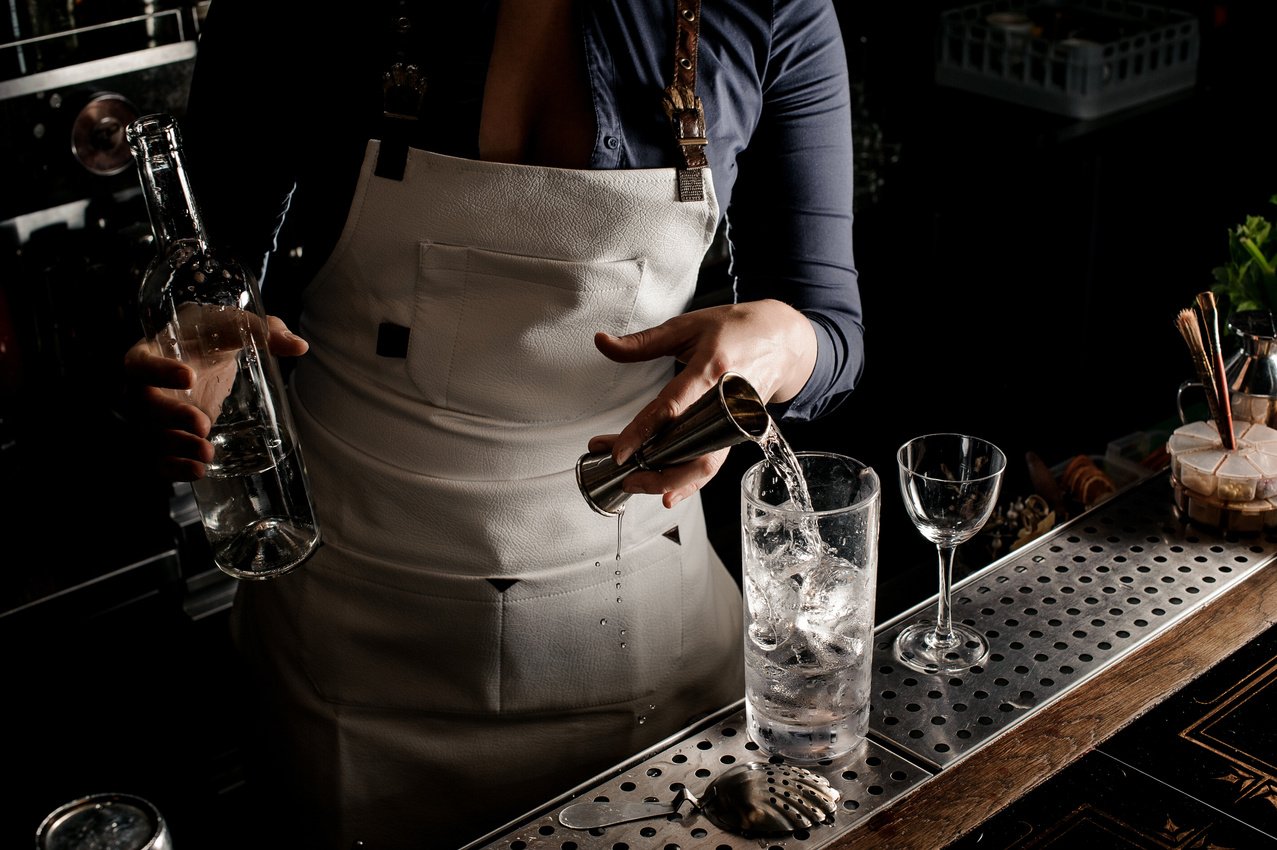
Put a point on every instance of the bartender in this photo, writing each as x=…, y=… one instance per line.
x=503, y=209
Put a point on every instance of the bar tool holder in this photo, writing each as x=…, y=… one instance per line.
x=730, y=413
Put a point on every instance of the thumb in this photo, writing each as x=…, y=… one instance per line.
x=646, y=344
x=282, y=341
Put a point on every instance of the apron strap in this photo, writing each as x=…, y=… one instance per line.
x=403, y=89
x=687, y=116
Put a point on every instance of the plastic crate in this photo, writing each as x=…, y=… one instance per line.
x=1084, y=59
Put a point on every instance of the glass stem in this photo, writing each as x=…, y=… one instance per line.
x=944, y=615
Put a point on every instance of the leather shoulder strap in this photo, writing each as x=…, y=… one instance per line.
x=403, y=89
x=687, y=116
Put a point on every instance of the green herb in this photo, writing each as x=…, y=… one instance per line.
x=1249, y=279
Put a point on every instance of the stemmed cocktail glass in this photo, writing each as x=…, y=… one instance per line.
x=950, y=485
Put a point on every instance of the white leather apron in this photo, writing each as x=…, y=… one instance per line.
x=465, y=644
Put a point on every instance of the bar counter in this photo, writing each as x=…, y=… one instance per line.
x=1091, y=625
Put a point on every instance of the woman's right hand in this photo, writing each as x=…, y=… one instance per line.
x=166, y=408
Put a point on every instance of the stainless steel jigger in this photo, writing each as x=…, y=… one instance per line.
x=730, y=413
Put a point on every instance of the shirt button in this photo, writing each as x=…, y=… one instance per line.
x=612, y=142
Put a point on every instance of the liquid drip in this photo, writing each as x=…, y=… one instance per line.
x=620, y=522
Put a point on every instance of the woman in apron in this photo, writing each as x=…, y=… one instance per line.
x=471, y=639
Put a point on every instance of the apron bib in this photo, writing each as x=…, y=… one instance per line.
x=466, y=642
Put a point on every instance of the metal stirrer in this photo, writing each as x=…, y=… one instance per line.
x=1209, y=312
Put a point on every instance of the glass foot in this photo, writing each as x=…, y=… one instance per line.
x=917, y=648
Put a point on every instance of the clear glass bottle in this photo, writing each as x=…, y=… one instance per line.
x=204, y=308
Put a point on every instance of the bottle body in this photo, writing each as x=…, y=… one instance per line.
x=205, y=309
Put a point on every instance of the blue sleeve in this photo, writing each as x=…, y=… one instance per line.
x=789, y=223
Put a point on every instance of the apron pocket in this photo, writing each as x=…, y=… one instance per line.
x=512, y=337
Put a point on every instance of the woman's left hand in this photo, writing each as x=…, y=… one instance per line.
x=769, y=343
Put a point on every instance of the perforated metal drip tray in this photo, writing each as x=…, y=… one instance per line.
x=1056, y=613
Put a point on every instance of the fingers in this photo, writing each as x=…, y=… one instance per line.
x=663, y=340
x=682, y=391
x=283, y=342
x=601, y=443
x=676, y=483
x=182, y=455
x=144, y=367
x=161, y=410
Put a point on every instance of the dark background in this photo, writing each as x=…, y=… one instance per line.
x=1020, y=271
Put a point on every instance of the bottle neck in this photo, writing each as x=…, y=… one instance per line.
x=157, y=149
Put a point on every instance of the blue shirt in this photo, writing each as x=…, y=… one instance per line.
x=285, y=97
